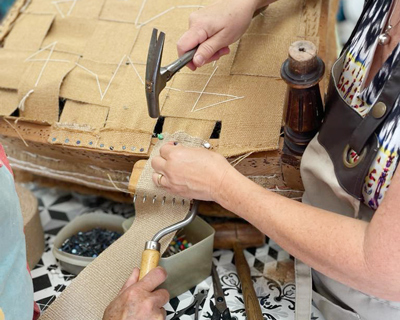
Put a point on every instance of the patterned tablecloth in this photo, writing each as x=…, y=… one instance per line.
x=271, y=267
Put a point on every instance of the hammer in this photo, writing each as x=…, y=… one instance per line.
x=157, y=76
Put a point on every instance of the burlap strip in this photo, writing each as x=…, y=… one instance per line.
x=98, y=284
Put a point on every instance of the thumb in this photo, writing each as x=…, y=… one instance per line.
x=133, y=278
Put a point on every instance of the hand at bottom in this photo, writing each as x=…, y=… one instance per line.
x=137, y=300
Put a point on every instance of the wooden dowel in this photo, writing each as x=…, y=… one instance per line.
x=252, y=306
x=150, y=260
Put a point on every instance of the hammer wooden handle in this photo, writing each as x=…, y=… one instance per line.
x=252, y=306
x=150, y=260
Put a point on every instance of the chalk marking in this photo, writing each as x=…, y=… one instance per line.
x=139, y=25
x=204, y=88
x=212, y=93
x=102, y=94
x=39, y=51
x=55, y=3
x=45, y=64
x=50, y=60
x=46, y=61
x=218, y=103
x=155, y=17
x=140, y=12
x=134, y=68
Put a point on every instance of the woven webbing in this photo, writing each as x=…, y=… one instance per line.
x=97, y=285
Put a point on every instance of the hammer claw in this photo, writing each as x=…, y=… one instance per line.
x=157, y=77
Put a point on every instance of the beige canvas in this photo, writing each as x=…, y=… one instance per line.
x=89, y=9
x=266, y=49
x=96, y=286
x=39, y=88
x=8, y=101
x=70, y=33
x=12, y=67
x=94, y=82
x=110, y=39
x=195, y=128
x=282, y=18
x=28, y=32
x=46, y=7
x=122, y=11
x=85, y=115
x=79, y=125
x=265, y=98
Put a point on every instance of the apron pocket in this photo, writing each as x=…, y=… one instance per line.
x=332, y=311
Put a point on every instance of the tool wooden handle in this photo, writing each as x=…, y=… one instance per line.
x=150, y=260
x=253, y=309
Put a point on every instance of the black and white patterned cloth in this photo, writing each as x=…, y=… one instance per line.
x=277, y=298
x=362, y=96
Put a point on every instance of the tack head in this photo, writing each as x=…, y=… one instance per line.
x=207, y=145
x=384, y=39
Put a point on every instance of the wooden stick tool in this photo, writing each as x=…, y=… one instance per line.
x=238, y=235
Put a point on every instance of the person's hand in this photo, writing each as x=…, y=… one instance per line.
x=215, y=27
x=137, y=300
x=194, y=173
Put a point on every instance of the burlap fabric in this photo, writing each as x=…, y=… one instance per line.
x=93, y=53
x=97, y=285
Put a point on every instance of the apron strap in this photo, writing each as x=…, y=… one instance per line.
x=373, y=120
x=303, y=291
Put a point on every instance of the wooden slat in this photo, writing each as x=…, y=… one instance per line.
x=36, y=136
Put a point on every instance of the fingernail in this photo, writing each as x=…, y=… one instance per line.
x=198, y=60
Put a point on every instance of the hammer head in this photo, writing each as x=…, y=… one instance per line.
x=157, y=76
x=155, y=83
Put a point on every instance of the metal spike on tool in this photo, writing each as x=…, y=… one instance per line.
x=151, y=254
x=157, y=76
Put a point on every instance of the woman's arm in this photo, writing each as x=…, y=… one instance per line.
x=365, y=256
x=217, y=26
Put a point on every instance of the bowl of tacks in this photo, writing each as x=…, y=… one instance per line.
x=85, y=238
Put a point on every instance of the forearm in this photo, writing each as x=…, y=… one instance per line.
x=328, y=242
